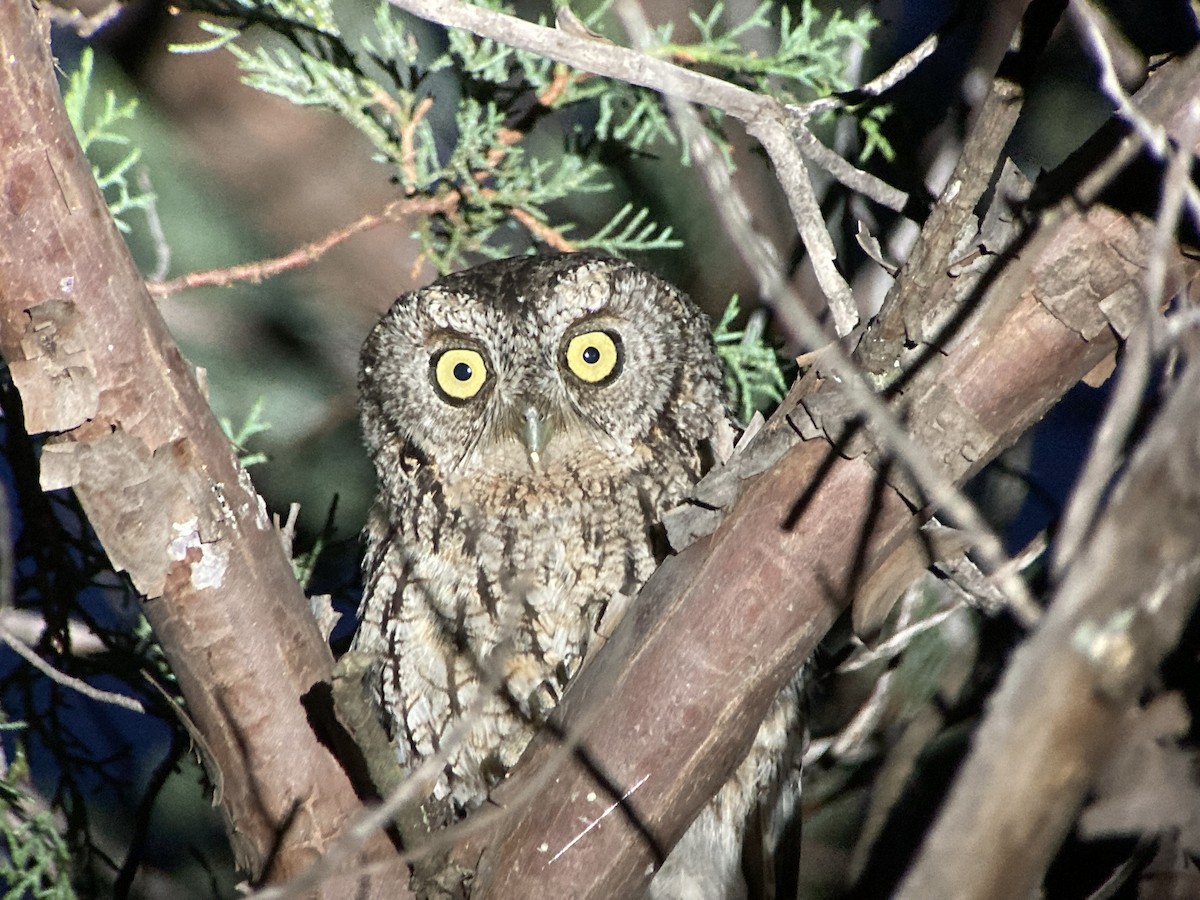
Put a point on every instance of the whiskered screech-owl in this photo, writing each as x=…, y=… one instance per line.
x=530, y=421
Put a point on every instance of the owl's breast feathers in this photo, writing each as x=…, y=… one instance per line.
x=483, y=594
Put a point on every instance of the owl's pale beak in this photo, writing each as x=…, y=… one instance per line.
x=535, y=430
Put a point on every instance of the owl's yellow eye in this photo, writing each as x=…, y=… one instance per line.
x=459, y=373
x=594, y=356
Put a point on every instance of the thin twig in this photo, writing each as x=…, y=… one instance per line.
x=760, y=256
x=26, y=653
x=543, y=232
x=256, y=272
x=27, y=625
x=408, y=148
x=1154, y=136
x=836, y=165
x=889, y=78
x=854, y=178
x=162, y=250
x=23, y=650
x=81, y=23
x=900, y=69
x=761, y=114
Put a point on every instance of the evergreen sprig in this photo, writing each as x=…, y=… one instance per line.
x=98, y=130
x=505, y=191
x=253, y=424
x=809, y=60
x=35, y=861
x=754, y=373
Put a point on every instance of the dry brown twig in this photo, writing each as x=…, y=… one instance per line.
x=255, y=272
x=408, y=148
x=396, y=211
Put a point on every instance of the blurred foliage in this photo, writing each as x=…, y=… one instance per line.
x=379, y=81
x=99, y=128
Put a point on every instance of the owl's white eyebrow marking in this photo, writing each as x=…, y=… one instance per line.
x=625, y=796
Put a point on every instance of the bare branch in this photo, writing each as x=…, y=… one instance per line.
x=765, y=118
x=1126, y=403
x=760, y=256
x=95, y=363
x=158, y=237
x=256, y=272
x=854, y=178
x=83, y=24
x=1090, y=22
x=901, y=321
x=19, y=647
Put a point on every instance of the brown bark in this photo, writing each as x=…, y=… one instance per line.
x=666, y=709
x=133, y=435
x=1107, y=630
x=668, y=706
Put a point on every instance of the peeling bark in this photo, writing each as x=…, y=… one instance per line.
x=131, y=433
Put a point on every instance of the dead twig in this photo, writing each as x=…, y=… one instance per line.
x=257, y=272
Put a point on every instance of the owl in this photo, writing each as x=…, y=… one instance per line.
x=530, y=420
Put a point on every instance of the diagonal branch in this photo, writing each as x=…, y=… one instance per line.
x=133, y=435
x=720, y=627
x=1121, y=609
x=261, y=270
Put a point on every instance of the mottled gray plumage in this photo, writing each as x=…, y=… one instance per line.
x=530, y=421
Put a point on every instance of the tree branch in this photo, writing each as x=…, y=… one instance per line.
x=255, y=272
x=766, y=119
x=721, y=626
x=1121, y=609
x=902, y=319
x=132, y=434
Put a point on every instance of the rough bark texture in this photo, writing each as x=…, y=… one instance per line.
x=660, y=717
x=133, y=435
x=665, y=710
x=1111, y=623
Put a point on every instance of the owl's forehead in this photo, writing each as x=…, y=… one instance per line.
x=534, y=306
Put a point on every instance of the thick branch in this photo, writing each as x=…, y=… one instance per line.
x=672, y=701
x=159, y=481
x=915, y=292
x=1121, y=609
